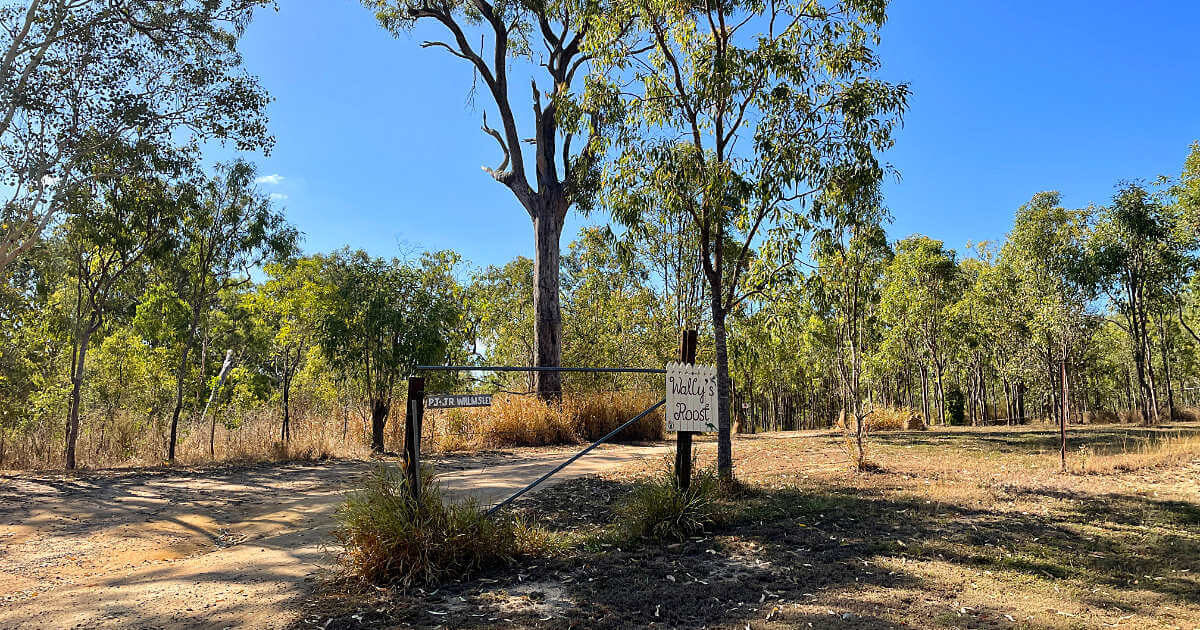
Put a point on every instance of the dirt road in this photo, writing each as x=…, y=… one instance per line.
x=216, y=548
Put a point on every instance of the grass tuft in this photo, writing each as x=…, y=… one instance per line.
x=388, y=538
x=658, y=509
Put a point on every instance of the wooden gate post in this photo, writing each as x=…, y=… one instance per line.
x=412, y=434
x=683, y=439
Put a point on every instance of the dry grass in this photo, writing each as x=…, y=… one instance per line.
x=966, y=527
x=1167, y=450
x=388, y=537
x=891, y=419
x=128, y=440
x=1134, y=416
x=515, y=420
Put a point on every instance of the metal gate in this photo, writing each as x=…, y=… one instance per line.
x=417, y=400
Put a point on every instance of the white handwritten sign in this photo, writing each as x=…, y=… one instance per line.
x=691, y=397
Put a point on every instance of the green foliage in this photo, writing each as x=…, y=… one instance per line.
x=379, y=321
x=502, y=304
x=955, y=406
x=389, y=538
x=83, y=77
x=751, y=136
x=609, y=312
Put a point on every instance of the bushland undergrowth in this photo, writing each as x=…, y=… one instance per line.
x=387, y=537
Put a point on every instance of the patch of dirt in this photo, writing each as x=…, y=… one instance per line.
x=230, y=546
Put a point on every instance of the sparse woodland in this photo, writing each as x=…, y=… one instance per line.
x=154, y=309
x=202, y=413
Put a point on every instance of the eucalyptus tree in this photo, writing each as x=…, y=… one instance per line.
x=996, y=329
x=667, y=243
x=379, y=321
x=501, y=302
x=852, y=252
x=229, y=229
x=738, y=116
x=1145, y=252
x=288, y=306
x=1047, y=249
x=920, y=288
x=555, y=41
x=610, y=311
x=77, y=76
x=115, y=227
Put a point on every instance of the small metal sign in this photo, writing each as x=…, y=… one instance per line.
x=691, y=394
x=447, y=401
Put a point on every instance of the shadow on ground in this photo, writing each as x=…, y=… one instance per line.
x=795, y=546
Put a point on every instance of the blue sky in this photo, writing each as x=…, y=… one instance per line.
x=378, y=146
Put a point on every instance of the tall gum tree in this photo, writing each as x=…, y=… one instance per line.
x=77, y=76
x=1145, y=248
x=229, y=229
x=114, y=228
x=920, y=288
x=738, y=116
x=1048, y=251
x=549, y=37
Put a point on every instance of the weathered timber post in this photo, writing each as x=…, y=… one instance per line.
x=683, y=439
x=412, y=434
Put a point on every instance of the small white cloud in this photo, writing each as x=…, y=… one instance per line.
x=273, y=179
x=278, y=196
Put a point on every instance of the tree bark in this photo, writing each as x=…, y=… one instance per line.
x=724, y=437
x=925, y=393
x=1165, y=351
x=77, y=376
x=379, y=413
x=941, y=395
x=1020, y=403
x=1062, y=423
x=180, y=376
x=285, y=432
x=547, y=327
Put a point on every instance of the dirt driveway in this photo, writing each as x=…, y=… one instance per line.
x=225, y=547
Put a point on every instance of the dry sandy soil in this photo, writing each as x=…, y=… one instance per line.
x=226, y=547
x=959, y=528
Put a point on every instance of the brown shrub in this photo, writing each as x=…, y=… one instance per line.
x=1129, y=416
x=889, y=419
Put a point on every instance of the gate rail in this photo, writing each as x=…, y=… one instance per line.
x=416, y=412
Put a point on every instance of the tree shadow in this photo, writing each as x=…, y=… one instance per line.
x=1024, y=440
x=794, y=545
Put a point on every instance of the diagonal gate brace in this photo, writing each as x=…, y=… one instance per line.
x=500, y=505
